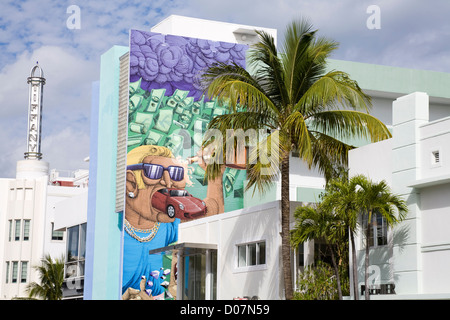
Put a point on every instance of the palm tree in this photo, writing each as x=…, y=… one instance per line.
x=51, y=277
x=340, y=198
x=306, y=109
x=376, y=198
x=313, y=222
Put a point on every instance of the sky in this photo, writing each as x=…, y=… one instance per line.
x=403, y=33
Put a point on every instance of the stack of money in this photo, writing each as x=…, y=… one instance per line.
x=177, y=122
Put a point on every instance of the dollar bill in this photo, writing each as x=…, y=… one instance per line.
x=164, y=121
x=134, y=87
x=137, y=127
x=229, y=180
x=177, y=97
x=156, y=99
x=135, y=102
x=153, y=138
x=174, y=143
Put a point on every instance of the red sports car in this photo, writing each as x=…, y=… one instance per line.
x=178, y=203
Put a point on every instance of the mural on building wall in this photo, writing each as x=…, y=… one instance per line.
x=165, y=182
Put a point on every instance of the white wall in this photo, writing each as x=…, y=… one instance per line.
x=435, y=208
x=4, y=188
x=26, y=200
x=435, y=136
x=229, y=229
x=68, y=206
x=208, y=29
x=373, y=161
x=33, y=199
x=418, y=254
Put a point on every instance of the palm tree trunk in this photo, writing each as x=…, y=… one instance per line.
x=336, y=271
x=366, y=263
x=285, y=235
x=355, y=267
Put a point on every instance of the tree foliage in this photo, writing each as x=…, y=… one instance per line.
x=51, y=277
x=317, y=282
x=344, y=204
x=309, y=109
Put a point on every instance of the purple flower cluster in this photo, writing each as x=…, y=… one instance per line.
x=174, y=62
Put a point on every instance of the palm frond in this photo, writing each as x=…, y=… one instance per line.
x=51, y=277
x=327, y=152
x=316, y=222
x=331, y=91
x=349, y=124
x=264, y=161
x=298, y=38
x=264, y=58
x=234, y=87
x=340, y=198
x=312, y=66
x=377, y=197
x=297, y=127
x=242, y=120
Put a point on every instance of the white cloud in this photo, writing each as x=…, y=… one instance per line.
x=66, y=149
x=66, y=76
x=66, y=105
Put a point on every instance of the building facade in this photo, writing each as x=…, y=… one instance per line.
x=414, y=256
x=227, y=255
x=36, y=207
x=32, y=218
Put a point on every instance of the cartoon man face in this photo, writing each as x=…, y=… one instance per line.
x=152, y=169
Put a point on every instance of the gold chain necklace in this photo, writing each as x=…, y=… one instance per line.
x=132, y=231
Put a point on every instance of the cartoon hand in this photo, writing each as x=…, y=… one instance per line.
x=135, y=294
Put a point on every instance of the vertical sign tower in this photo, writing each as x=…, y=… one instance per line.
x=36, y=82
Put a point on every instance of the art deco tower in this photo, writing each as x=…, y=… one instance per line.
x=36, y=83
x=32, y=166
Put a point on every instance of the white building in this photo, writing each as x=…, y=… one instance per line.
x=31, y=215
x=36, y=208
x=237, y=254
x=415, y=255
x=259, y=222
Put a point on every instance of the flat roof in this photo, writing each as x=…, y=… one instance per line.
x=395, y=81
x=187, y=247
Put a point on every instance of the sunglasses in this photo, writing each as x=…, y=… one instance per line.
x=155, y=171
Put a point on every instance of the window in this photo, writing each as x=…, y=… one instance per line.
x=301, y=255
x=72, y=243
x=26, y=230
x=322, y=252
x=82, y=254
x=19, y=194
x=378, y=230
x=17, y=230
x=76, y=251
x=23, y=271
x=15, y=271
x=251, y=254
x=7, y=272
x=56, y=235
x=15, y=266
x=10, y=230
x=28, y=194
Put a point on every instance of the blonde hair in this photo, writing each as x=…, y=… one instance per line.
x=138, y=154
